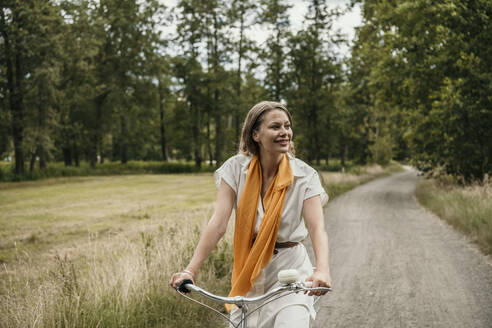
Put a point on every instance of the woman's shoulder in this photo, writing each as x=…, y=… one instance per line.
x=300, y=168
x=231, y=170
x=238, y=160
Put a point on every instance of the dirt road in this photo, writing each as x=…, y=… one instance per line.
x=396, y=265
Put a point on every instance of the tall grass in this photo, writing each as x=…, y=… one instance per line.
x=107, y=246
x=467, y=208
x=124, y=283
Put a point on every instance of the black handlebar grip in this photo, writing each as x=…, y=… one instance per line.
x=182, y=288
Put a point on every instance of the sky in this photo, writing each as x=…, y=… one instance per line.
x=346, y=23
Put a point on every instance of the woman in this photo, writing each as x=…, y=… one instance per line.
x=271, y=192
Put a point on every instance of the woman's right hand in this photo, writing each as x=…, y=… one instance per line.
x=178, y=277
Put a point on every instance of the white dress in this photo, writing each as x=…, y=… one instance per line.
x=292, y=228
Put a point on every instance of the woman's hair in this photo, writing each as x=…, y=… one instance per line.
x=252, y=123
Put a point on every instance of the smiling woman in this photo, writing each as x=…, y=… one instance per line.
x=275, y=197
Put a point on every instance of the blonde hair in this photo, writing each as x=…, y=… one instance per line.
x=252, y=123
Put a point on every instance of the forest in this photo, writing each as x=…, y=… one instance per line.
x=104, y=81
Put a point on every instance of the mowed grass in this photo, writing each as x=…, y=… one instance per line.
x=38, y=215
x=99, y=251
x=467, y=208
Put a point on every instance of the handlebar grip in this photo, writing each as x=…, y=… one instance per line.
x=308, y=284
x=182, y=286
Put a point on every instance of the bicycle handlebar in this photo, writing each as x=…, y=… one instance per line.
x=187, y=285
x=289, y=280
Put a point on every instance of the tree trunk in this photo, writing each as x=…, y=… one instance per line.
x=96, y=146
x=278, y=58
x=100, y=147
x=75, y=153
x=32, y=162
x=40, y=147
x=238, y=87
x=42, y=159
x=343, y=154
x=218, y=129
x=15, y=87
x=67, y=156
x=123, y=139
x=92, y=152
x=218, y=139
x=162, y=127
x=217, y=109
x=197, y=146
x=209, y=143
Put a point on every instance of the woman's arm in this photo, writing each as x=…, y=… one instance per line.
x=313, y=215
x=213, y=232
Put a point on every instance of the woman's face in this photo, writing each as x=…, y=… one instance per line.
x=275, y=133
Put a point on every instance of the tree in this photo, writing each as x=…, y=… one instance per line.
x=188, y=68
x=430, y=70
x=214, y=14
x=241, y=17
x=42, y=96
x=314, y=75
x=15, y=28
x=274, y=14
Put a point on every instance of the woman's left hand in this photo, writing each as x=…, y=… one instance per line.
x=319, y=279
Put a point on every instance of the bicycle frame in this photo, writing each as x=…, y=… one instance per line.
x=242, y=302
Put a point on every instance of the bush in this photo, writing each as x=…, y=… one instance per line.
x=334, y=165
x=382, y=150
x=55, y=170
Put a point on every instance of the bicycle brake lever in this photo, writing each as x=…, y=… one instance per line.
x=182, y=286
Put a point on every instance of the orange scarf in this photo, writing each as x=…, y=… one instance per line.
x=249, y=259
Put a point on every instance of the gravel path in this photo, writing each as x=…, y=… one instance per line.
x=396, y=265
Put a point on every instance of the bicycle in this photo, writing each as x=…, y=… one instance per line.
x=289, y=280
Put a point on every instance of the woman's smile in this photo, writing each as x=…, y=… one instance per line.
x=283, y=142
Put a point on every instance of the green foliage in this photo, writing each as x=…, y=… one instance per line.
x=382, y=150
x=425, y=74
x=274, y=13
x=314, y=77
x=97, y=81
x=334, y=165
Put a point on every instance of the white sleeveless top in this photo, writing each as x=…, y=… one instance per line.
x=306, y=185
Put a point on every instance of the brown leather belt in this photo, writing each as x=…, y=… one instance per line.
x=287, y=244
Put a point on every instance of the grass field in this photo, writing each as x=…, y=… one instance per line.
x=99, y=251
x=467, y=208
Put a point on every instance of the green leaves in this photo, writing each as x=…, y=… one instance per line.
x=427, y=70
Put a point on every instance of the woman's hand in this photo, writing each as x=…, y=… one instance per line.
x=319, y=279
x=178, y=277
